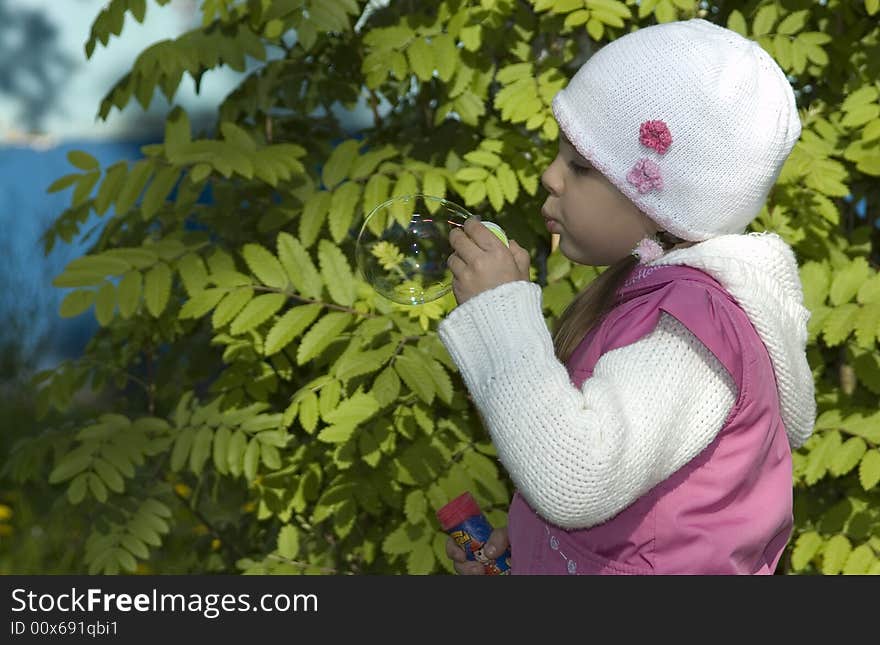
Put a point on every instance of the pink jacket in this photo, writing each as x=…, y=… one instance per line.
x=729, y=510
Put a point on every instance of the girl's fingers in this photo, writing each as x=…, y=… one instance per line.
x=469, y=568
x=521, y=257
x=455, y=552
x=464, y=246
x=498, y=542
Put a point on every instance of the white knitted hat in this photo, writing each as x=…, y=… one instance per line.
x=690, y=120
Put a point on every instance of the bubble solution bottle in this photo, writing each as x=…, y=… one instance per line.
x=464, y=521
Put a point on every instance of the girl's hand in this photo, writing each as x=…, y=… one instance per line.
x=482, y=262
x=497, y=541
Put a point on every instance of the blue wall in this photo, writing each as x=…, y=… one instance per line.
x=28, y=301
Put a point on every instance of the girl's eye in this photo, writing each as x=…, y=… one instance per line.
x=579, y=170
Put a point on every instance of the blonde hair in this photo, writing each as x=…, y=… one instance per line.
x=591, y=305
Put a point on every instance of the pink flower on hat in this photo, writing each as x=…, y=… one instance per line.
x=645, y=176
x=655, y=134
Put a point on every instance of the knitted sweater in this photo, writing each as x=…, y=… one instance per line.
x=583, y=455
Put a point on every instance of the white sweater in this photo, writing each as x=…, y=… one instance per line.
x=580, y=456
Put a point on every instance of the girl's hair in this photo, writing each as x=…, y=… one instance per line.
x=595, y=300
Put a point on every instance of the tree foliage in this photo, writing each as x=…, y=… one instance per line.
x=265, y=410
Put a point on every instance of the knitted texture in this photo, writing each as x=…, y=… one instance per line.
x=760, y=271
x=581, y=457
x=624, y=430
x=691, y=121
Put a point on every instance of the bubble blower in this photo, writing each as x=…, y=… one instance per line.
x=403, y=247
x=463, y=520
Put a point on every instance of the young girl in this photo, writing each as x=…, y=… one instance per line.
x=652, y=433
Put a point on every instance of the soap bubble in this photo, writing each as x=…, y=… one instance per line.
x=403, y=247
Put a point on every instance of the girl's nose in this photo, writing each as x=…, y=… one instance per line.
x=551, y=178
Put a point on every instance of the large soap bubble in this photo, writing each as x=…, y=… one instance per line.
x=403, y=247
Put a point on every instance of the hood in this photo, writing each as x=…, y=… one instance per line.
x=760, y=271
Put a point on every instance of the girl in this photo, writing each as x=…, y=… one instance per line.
x=652, y=432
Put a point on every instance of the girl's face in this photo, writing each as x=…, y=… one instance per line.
x=597, y=224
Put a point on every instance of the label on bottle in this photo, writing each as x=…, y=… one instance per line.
x=471, y=534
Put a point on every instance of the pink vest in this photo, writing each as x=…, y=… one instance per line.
x=727, y=511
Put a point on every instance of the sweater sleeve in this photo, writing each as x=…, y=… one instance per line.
x=580, y=456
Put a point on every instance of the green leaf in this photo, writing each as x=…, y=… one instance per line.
x=386, y=387
x=472, y=173
x=471, y=37
x=839, y=323
x=82, y=160
x=236, y=450
x=251, y=460
x=336, y=274
x=793, y=22
x=339, y=433
x=820, y=457
x=109, y=475
x=105, y=304
x=866, y=326
x=265, y=266
x=136, y=546
x=155, y=196
x=398, y=541
x=834, y=554
x=805, y=549
x=103, y=264
x=494, y=192
x=64, y=182
x=98, y=488
x=76, y=302
x=193, y=273
x=847, y=456
x=109, y=188
x=314, y=213
x=201, y=303
x=182, y=445
x=446, y=55
x=232, y=303
x=308, y=412
x=859, y=561
x=415, y=507
x=331, y=394
x=289, y=326
x=420, y=560
x=869, y=291
x=415, y=374
x=321, y=335
x=130, y=287
x=816, y=279
x=298, y=266
x=354, y=410
x=288, y=542
x=421, y=59
x=737, y=23
x=134, y=185
x=764, y=20
x=440, y=379
x=847, y=281
x=366, y=165
x=869, y=469
x=221, y=449
x=201, y=449
x=157, y=288
x=256, y=312
x=376, y=191
x=342, y=208
x=76, y=492
x=71, y=464
x=338, y=165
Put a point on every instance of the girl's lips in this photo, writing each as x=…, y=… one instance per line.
x=552, y=224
